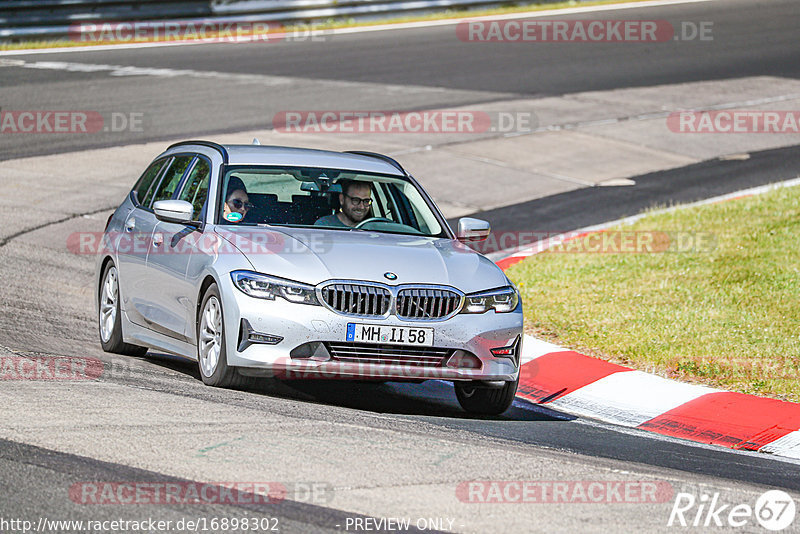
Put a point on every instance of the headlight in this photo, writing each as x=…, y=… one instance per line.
x=262, y=286
x=502, y=300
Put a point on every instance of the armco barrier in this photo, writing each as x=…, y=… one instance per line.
x=47, y=19
x=31, y=19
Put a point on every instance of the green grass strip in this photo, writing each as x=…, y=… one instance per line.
x=724, y=313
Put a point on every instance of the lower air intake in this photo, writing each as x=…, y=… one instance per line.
x=388, y=354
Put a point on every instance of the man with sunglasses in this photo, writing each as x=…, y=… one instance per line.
x=237, y=203
x=355, y=201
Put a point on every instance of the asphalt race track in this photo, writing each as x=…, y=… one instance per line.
x=749, y=40
x=347, y=454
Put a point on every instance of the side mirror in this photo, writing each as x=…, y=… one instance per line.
x=472, y=230
x=174, y=211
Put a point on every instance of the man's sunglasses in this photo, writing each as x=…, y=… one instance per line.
x=357, y=201
x=237, y=204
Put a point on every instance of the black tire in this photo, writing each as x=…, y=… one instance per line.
x=114, y=342
x=222, y=375
x=486, y=401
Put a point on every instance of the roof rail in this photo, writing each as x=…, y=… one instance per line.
x=216, y=146
x=387, y=159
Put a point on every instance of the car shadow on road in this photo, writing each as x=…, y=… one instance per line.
x=432, y=398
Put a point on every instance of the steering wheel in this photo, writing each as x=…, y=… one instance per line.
x=373, y=219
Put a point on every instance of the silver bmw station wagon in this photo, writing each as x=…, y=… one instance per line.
x=305, y=264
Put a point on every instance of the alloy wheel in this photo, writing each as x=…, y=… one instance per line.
x=108, y=304
x=210, y=336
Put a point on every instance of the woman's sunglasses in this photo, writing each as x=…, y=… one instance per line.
x=237, y=204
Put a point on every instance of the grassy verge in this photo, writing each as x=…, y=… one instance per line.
x=725, y=314
x=343, y=23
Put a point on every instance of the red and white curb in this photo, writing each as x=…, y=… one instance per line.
x=581, y=385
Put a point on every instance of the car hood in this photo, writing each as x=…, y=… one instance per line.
x=315, y=255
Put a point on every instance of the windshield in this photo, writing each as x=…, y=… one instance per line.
x=325, y=198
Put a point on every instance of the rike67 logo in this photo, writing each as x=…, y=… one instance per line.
x=774, y=510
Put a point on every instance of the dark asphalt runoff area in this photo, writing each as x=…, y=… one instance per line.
x=33, y=482
x=591, y=206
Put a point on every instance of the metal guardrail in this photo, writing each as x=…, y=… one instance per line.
x=47, y=19
x=53, y=18
x=316, y=9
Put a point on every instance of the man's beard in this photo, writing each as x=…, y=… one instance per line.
x=358, y=217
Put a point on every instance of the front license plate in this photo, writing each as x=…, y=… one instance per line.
x=398, y=335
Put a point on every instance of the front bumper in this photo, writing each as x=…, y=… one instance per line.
x=304, y=329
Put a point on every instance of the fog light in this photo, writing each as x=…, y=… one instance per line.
x=248, y=336
x=464, y=360
x=311, y=351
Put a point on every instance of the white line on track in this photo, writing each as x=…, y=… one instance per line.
x=261, y=79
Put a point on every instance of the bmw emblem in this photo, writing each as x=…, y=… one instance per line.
x=390, y=276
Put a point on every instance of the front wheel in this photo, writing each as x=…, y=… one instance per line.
x=110, y=318
x=484, y=400
x=211, y=355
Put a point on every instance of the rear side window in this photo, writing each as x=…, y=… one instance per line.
x=172, y=178
x=196, y=189
x=146, y=181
